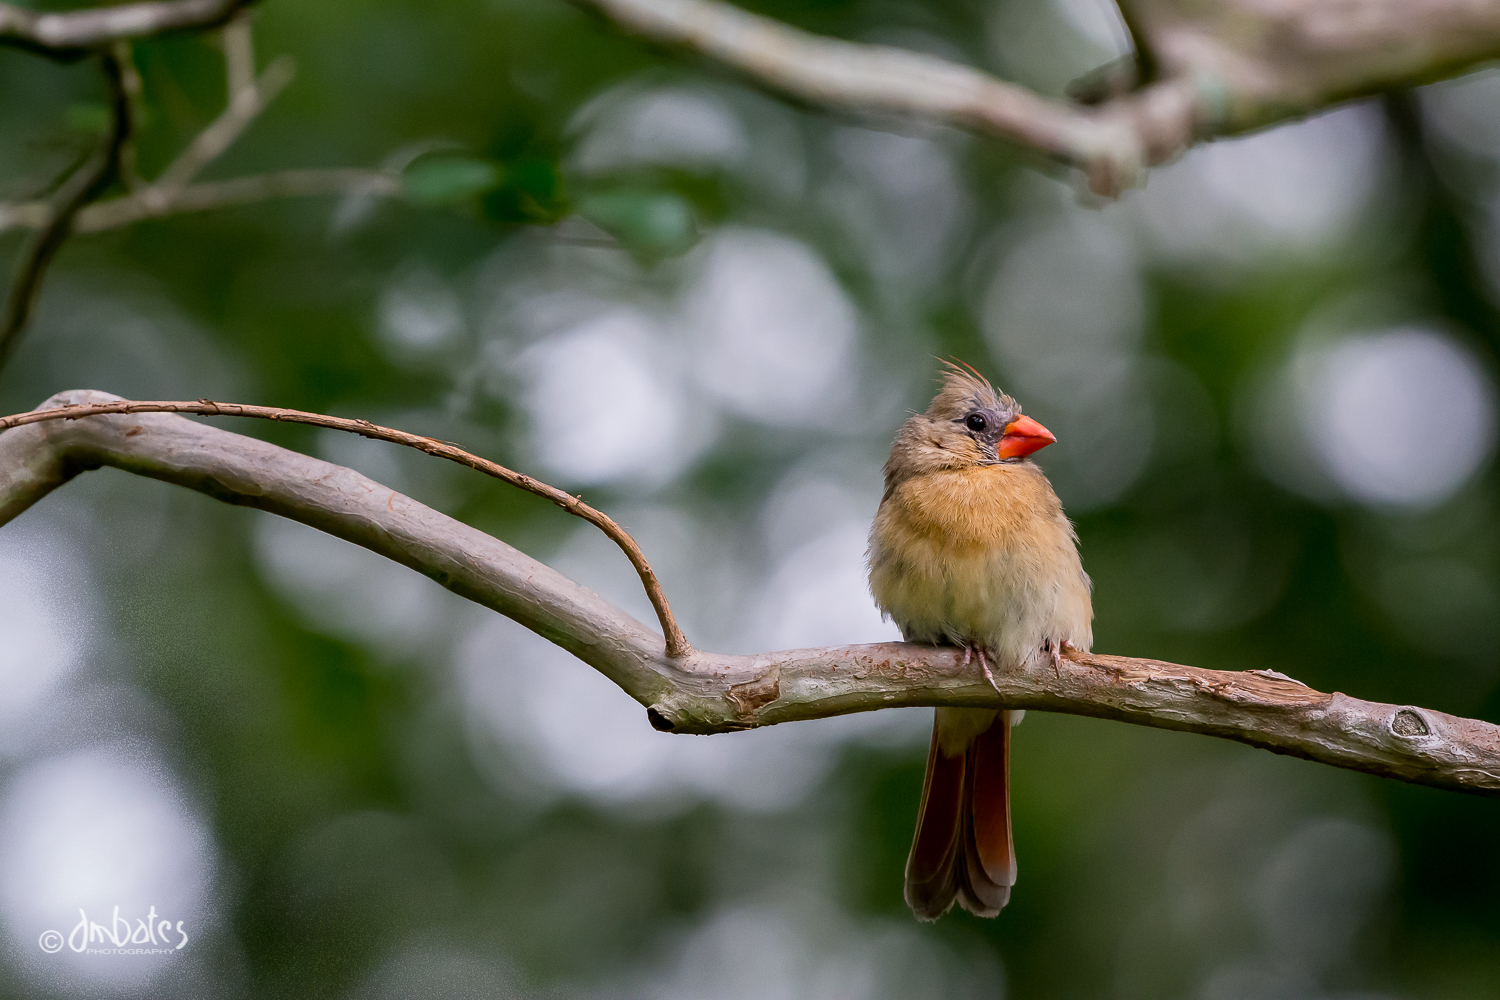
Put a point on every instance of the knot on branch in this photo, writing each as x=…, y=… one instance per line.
x=1409, y=723
x=750, y=695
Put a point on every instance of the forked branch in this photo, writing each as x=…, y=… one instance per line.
x=704, y=692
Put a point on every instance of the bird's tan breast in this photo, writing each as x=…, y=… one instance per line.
x=984, y=553
x=964, y=512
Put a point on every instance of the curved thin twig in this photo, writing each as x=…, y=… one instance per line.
x=677, y=644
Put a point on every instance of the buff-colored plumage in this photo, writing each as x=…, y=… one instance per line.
x=971, y=548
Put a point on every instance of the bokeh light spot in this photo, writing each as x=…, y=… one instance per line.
x=1404, y=417
x=775, y=329
x=604, y=402
x=44, y=617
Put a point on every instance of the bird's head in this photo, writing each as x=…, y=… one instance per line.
x=968, y=423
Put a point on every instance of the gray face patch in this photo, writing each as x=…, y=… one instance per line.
x=986, y=424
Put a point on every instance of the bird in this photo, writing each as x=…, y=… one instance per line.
x=970, y=547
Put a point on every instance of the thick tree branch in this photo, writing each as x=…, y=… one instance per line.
x=1216, y=68
x=706, y=692
x=66, y=34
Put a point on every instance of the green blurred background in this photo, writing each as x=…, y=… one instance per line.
x=1271, y=373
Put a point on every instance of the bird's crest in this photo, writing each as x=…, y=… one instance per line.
x=964, y=389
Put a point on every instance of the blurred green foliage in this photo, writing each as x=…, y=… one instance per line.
x=651, y=224
x=357, y=817
x=449, y=180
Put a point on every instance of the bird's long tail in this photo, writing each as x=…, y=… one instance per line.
x=962, y=848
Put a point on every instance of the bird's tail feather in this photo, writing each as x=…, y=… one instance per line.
x=962, y=849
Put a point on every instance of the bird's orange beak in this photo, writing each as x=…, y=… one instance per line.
x=1022, y=437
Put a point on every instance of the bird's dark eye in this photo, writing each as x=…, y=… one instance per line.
x=976, y=423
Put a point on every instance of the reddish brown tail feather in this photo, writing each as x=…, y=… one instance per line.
x=962, y=848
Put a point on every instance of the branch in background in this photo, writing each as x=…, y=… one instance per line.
x=85, y=184
x=1217, y=69
x=117, y=212
x=245, y=98
x=707, y=692
x=66, y=34
x=1258, y=63
x=173, y=193
x=677, y=644
x=69, y=210
x=130, y=83
x=239, y=191
x=239, y=55
x=1110, y=146
x=243, y=108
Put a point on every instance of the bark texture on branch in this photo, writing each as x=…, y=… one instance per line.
x=708, y=692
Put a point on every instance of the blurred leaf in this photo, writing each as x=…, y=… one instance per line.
x=88, y=117
x=449, y=180
x=650, y=224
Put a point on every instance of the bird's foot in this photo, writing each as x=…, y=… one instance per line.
x=973, y=649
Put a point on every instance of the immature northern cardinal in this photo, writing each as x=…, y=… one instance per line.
x=970, y=547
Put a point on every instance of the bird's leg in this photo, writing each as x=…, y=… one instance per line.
x=985, y=665
x=1054, y=654
x=973, y=649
